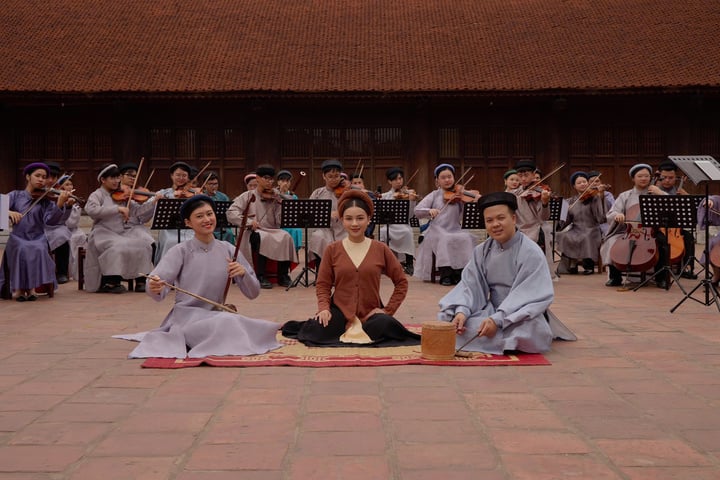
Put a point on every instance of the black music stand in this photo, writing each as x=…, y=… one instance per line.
x=390, y=212
x=555, y=206
x=221, y=207
x=472, y=218
x=699, y=169
x=167, y=215
x=667, y=211
x=305, y=214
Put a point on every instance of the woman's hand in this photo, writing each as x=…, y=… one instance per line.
x=15, y=217
x=620, y=218
x=124, y=213
x=433, y=212
x=459, y=322
x=373, y=312
x=235, y=269
x=155, y=284
x=323, y=316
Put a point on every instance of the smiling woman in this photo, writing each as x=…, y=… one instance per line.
x=350, y=310
x=202, y=266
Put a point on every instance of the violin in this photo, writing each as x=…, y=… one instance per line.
x=535, y=193
x=593, y=191
x=187, y=192
x=458, y=194
x=52, y=194
x=405, y=194
x=342, y=187
x=123, y=194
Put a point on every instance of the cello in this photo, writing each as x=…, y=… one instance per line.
x=636, y=250
x=674, y=236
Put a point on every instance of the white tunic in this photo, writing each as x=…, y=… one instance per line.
x=510, y=284
x=275, y=243
x=401, y=235
x=320, y=238
x=452, y=245
x=114, y=248
x=192, y=328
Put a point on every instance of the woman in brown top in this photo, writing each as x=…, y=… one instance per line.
x=353, y=313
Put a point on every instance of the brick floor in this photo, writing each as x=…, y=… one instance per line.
x=636, y=398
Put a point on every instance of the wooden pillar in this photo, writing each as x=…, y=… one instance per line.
x=421, y=148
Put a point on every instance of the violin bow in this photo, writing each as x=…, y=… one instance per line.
x=545, y=178
x=147, y=182
x=137, y=175
x=64, y=177
x=194, y=295
x=243, y=220
x=585, y=190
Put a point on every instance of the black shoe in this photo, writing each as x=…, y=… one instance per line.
x=573, y=270
x=139, y=287
x=409, y=269
x=613, y=283
x=110, y=288
x=662, y=284
x=284, y=281
x=688, y=274
x=61, y=279
x=588, y=272
x=265, y=283
x=446, y=281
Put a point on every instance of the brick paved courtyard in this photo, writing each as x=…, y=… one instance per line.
x=636, y=397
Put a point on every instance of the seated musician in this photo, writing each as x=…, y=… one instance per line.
x=250, y=181
x=402, y=241
x=128, y=174
x=28, y=260
x=320, y=238
x=266, y=238
x=667, y=172
x=580, y=238
x=444, y=237
x=628, y=202
x=350, y=310
x=58, y=235
x=202, y=266
x=116, y=251
x=595, y=180
x=533, y=205
x=505, y=288
x=78, y=237
x=180, y=176
x=284, y=181
x=212, y=185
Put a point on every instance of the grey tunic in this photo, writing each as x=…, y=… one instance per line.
x=401, y=235
x=26, y=251
x=320, y=238
x=623, y=202
x=78, y=238
x=511, y=284
x=275, y=243
x=530, y=215
x=452, y=245
x=114, y=248
x=169, y=238
x=581, y=238
x=192, y=329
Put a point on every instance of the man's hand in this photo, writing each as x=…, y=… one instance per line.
x=487, y=328
x=459, y=322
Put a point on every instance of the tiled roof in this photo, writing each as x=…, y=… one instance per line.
x=306, y=46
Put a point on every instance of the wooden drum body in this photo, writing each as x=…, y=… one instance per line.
x=438, y=340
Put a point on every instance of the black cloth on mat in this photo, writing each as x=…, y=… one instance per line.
x=384, y=330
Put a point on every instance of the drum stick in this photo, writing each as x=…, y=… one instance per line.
x=466, y=343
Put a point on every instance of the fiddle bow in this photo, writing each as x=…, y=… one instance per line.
x=243, y=222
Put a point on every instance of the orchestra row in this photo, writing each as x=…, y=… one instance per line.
x=593, y=226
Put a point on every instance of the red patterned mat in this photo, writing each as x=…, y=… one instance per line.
x=295, y=354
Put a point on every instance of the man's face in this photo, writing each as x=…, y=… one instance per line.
x=128, y=177
x=667, y=178
x=526, y=178
x=397, y=183
x=358, y=183
x=212, y=186
x=332, y=178
x=180, y=177
x=500, y=222
x=265, y=182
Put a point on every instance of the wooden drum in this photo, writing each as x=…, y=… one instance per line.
x=438, y=340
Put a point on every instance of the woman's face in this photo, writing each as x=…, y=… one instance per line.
x=111, y=183
x=512, y=182
x=36, y=179
x=581, y=184
x=642, y=178
x=355, y=222
x=202, y=220
x=445, y=179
